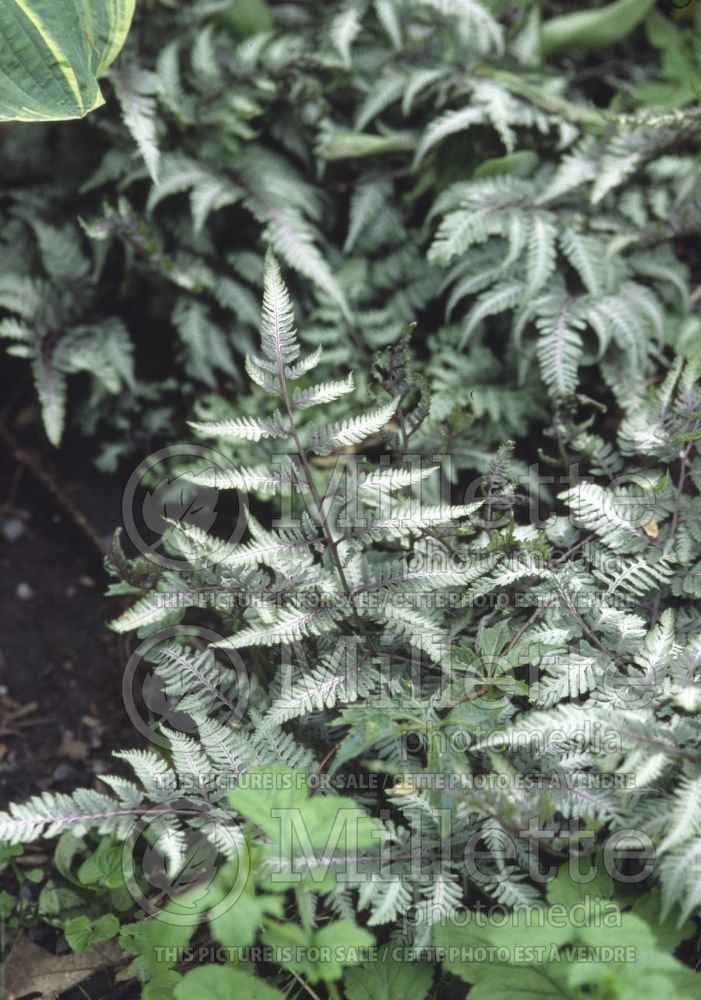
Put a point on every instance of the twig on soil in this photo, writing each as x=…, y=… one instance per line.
x=32, y=463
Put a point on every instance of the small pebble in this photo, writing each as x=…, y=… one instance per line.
x=63, y=772
x=24, y=592
x=12, y=529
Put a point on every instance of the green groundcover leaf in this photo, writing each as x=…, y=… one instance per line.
x=221, y=982
x=52, y=54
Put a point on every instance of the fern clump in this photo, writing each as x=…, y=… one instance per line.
x=447, y=660
x=450, y=680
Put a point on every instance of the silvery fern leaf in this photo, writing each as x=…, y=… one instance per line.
x=576, y=168
x=324, y=687
x=498, y=299
x=560, y=342
x=636, y=577
x=388, y=89
x=477, y=27
x=157, y=777
x=417, y=629
x=565, y=675
x=610, y=514
x=680, y=875
x=205, y=343
x=259, y=479
x=289, y=626
x=658, y=648
x=189, y=757
x=135, y=89
x=373, y=487
x=278, y=336
x=502, y=110
x=684, y=821
x=473, y=211
x=540, y=261
x=408, y=519
x=152, y=609
x=353, y=430
x=387, y=897
x=289, y=208
x=401, y=578
x=227, y=746
x=50, y=384
x=449, y=123
x=304, y=365
x=271, y=548
x=420, y=80
x=344, y=29
x=623, y=155
x=22, y=295
x=243, y=428
x=327, y=392
x=388, y=16
x=587, y=254
x=48, y=815
x=368, y=201
x=260, y=373
x=177, y=173
x=193, y=679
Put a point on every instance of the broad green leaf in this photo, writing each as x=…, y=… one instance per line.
x=82, y=931
x=520, y=164
x=323, y=954
x=344, y=144
x=53, y=53
x=315, y=832
x=241, y=921
x=387, y=978
x=221, y=982
x=564, y=890
x=668, y=933
x=103, y=867
x=162, y=986
x=594, y=29
x=345, y=943
x=247, y=17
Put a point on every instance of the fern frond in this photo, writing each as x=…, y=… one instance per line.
x=135, y=89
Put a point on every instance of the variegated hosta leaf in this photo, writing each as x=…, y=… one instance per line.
x=53, y=53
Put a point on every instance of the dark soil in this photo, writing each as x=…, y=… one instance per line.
x=61, y=709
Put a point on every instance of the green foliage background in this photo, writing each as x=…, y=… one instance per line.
x=488, y=211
